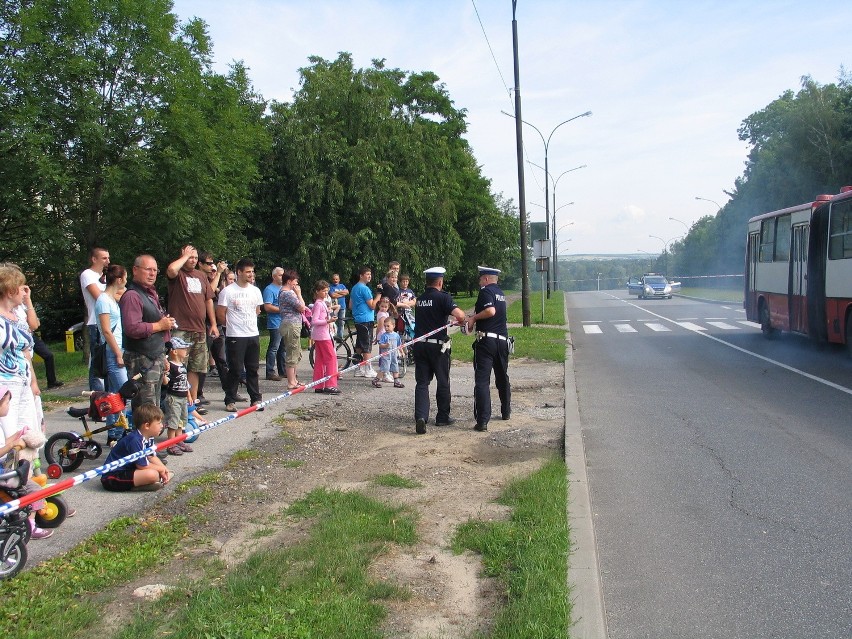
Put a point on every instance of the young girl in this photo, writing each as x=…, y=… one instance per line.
x=388, y=344
x=325, y=359
x=383, y=313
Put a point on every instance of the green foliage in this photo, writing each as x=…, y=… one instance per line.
x=317, y=588
x=393, y=480
x=53, y=594
x=528, y=553
x=369, y=165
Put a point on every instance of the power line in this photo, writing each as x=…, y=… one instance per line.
x=493, y=57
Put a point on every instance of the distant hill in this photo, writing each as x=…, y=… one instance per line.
x=607, y=256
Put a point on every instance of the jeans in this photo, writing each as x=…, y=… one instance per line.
x=242, y=352
x=275, y=354
x=95, y=383
x=341, y=321
x=115, y=379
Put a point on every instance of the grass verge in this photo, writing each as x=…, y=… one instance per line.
x=54, y=595
x=534, y=342
x=528, y=554
x=554, y=310
x=317, y=588
x=716, y=294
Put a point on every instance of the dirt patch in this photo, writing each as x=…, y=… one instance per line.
x=345, y=442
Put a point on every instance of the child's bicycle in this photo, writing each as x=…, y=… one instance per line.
x=14, y=528
x=69, y=449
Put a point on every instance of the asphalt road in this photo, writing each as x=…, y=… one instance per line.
x=720, y=470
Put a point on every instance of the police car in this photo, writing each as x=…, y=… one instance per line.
x=650, y=286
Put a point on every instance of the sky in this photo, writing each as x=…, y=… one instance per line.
x=668, y=84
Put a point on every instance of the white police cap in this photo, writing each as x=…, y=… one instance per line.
x=435, y=271
x=487, y=270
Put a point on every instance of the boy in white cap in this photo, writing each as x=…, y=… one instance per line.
x=176, y=400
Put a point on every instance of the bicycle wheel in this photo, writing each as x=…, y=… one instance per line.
x=311, y=355
x=344, y=355
x=53, y=514
x=402, y=361
x=14, y=556
x=67, y=450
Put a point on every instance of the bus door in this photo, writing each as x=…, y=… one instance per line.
x=799, y=279
x=750, y=298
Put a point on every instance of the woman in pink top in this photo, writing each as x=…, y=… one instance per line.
x=325, y=359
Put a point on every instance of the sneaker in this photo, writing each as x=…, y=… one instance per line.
x=370, y=373
x=332, y=391
x=360, y=372
x=40, y=533
x=231, y=408
x=175, y=450
x=146, y=488
x=185, y=447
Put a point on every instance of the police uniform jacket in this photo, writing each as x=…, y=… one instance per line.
x=431, y=312
x=492, y=296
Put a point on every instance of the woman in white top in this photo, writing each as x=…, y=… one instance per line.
x=108, y=314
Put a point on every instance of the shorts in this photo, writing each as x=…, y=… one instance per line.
x=175, y=412
x=290, y=336
x=364, y=337
x=389, y=363
x=120, y=479
x=198, y=358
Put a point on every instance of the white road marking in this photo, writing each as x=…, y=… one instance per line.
x=724, y=325
x=747, y=323
x=690, y=326
x=592, y=328
x=768, y=360
x=659, y=328
x=625, y=328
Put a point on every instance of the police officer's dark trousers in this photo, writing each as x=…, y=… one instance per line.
x=490, y=354
x=430, y=361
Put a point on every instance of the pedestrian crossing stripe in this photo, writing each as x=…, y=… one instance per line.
x=593, y=327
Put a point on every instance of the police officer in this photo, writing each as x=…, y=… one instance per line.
x=432, y=355
x=490, y=348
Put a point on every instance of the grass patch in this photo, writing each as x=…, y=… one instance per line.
x=528, y=554
x=392, y=480
x=292, y=463
x=243, y=455
x=534, y=342
x=204, y=480
x=54, y=595
x=318, y=588
x=716, y=294
x=554, y=310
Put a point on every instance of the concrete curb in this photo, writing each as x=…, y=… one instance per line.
x=589, y=619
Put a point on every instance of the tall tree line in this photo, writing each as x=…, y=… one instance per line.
x=116, y=131
x=801, y=146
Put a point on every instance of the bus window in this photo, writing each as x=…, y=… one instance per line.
x=840, y=232
x=782, y=240
x=767, y=240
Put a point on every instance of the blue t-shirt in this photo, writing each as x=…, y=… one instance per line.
x=132, y=442
x=106, y=305
x=270, y=296
x=361, y=311
x=339, y=287
x=391, y=339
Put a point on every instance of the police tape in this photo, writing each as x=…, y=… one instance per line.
x=65, y=484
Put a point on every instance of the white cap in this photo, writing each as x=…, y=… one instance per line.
x=435, y=271
x=487, y=270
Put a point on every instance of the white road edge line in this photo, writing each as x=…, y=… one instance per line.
x=820, y=380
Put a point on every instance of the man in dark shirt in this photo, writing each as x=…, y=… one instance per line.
x=432, y=355
x=490, y=348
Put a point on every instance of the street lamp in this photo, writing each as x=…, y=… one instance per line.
x=697, y=197
x=674, y=219
x=665, y=251
x=564, y=226
x=546, y=148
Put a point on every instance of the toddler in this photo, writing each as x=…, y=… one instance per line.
x=176, y=382
x=388, y=364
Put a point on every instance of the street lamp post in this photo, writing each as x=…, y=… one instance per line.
x=546, y=148
x=665, y=251
x=697, y=197
x=674, y=219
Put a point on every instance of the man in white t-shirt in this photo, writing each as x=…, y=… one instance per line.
x=93, y=283
x=237, y=309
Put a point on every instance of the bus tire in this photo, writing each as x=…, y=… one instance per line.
x=849, y=334
x=766, y=323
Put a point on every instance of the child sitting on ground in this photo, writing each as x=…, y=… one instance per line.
x=388, y=363
x=147, y=473
x=176, y=397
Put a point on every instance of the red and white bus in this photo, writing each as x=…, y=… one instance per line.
x=799, y=269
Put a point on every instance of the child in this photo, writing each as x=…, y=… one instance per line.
x=176, y=382
x=384, y=312
x=325, y=359
x=388, y=344
x=405, y=304
x=147, y=473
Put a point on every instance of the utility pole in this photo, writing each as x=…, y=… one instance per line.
x=522, y=198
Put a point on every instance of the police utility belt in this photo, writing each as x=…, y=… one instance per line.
x=510, y=339
x=446, y=344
